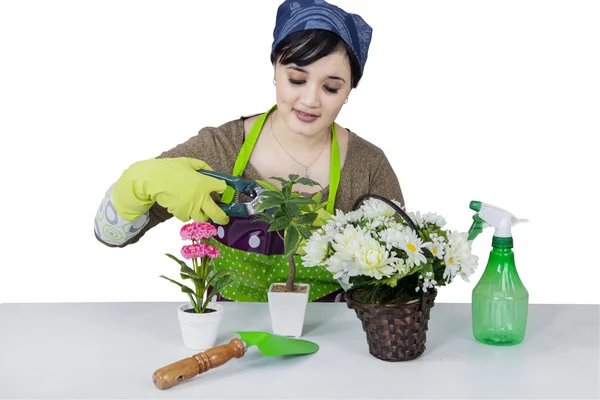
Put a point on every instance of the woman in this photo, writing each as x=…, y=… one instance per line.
x=319, y=54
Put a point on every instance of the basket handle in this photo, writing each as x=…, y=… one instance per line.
x=389, y=203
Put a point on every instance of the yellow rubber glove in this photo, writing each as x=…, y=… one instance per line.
x=175, y=184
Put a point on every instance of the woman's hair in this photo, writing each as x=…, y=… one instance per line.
x=305, y=47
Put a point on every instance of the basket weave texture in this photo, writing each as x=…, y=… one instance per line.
x=395, y=332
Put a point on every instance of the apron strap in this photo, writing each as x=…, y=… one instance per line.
x=334, y=171
x=246, y=151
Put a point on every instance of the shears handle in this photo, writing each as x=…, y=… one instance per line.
x=241, y=185
x=234, y=209
x=238, y=183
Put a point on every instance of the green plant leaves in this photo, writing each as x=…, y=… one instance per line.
x=291, y=210
x=283, y=181
x=301, y=201
x=307, y=182
x=217, y=274
x=189, y=273
x=280, y=223
x=291, y=240
x=184, y=288
x=218, y=280
x=307, y=219
x=303, y=231
x=286, y=191
x=269, y=200
x=272, y=195
x=292, y=213
x=180, y=262
x=265, y=217
x=267, y=185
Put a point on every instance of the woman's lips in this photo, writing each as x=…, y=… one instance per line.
x=305, y=117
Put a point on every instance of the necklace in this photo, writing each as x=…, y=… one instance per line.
x=306, y=175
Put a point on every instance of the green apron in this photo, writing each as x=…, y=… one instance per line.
x=256, y=272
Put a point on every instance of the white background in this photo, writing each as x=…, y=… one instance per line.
x=471, y=100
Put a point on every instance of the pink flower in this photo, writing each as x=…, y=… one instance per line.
x=197, y=231
x=212, y=251
x=195, y=250
x=199, y=250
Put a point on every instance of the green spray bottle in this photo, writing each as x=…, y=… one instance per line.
x=499, y=301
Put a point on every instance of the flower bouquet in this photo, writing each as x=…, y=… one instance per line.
x=200, y=318
x=390, y=268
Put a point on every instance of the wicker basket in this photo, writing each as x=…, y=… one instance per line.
x=395, y=332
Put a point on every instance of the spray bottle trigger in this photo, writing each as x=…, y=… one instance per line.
x=477, y=227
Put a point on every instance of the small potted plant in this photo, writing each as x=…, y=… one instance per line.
x=293, y=217
x=200, y=318
x=390, y=268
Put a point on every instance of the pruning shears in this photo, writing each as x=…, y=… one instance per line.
x=248, y=187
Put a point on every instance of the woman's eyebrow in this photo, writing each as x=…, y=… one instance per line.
x=296, y=68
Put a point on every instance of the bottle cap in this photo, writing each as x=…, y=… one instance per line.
x=502, y=242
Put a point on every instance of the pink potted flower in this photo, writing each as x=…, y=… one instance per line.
x=200, y=318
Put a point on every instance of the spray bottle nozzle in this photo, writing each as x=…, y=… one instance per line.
x=475, y=205
x=488, y=215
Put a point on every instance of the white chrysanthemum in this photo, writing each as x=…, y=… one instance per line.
x=355, y=216
x=348, y=241
x=373, y=208
x=428, y=284
x=456, y=238
x=435, y=219
x=435, y=238
x=416, y=218
x=452, y=261
x=370, y=241
x=400, y=266
x=338, y=220
x=437, y=249
x=468, y=265
x=374, y=260
x=315, y=250
x=411, y=243
x=340, y=268
x=459, y=258
x=392, y=236
x=328, y=231
x=378, y=222
x=344, y=281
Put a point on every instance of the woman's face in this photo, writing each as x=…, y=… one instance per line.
x=310, y=98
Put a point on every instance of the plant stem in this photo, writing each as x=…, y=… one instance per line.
x=204, y=282
x=196, y=284
x=289, y=285
x=192, y=301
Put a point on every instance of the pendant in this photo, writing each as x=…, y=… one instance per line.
x=306, y=173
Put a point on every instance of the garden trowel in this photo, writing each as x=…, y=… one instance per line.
x=268, y=344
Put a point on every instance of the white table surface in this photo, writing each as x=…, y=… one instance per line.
x=110, y=350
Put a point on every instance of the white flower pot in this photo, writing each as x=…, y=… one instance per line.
x=199, y=331
x=287, y=310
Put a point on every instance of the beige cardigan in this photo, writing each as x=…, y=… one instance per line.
x=366, y=168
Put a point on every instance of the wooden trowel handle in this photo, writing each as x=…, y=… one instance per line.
x=189, y=367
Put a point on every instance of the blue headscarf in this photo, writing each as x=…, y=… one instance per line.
x=299, y=15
